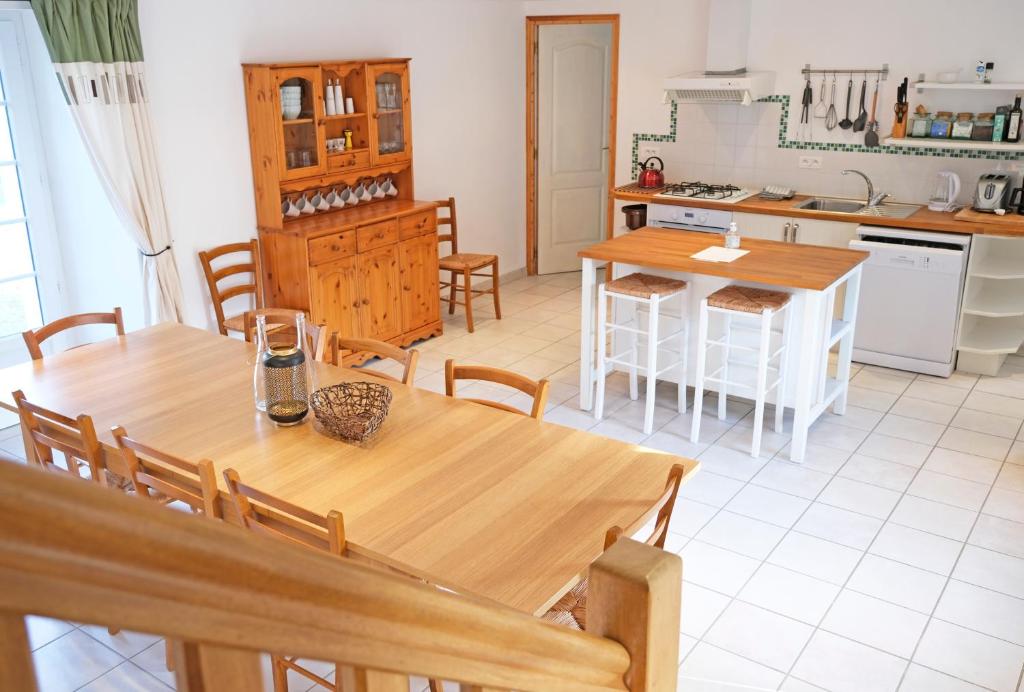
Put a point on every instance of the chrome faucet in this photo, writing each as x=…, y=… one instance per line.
x=873, y=199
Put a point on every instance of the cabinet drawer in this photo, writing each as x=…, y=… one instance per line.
x=331, y=247
x=417, y=224
x=376, y=235
x=348, y=160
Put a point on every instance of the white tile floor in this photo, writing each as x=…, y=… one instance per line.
x=893, y=558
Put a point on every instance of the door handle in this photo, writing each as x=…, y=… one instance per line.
x=785, y=232
x=792, y=234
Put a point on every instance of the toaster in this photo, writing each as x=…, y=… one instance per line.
x=993, y=192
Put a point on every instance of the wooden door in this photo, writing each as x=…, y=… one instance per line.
x=762, y=226
x=417, y=260
x=390, y=114
x=302, y=149
x=334, y=298
x=378, y=291
x=574, y=67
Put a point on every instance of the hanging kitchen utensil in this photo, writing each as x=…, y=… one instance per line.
x=820, y=110
x=871, y=138
x=846, y=123
x=862, y=116
x=830, y=117
x=803, y=133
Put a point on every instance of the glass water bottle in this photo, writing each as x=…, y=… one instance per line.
x=259, y=377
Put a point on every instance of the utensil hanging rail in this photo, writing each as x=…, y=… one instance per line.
x=883, y=73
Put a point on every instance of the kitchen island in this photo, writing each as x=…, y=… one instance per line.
x=811, y=273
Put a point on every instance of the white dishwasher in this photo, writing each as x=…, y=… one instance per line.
x=910, y=294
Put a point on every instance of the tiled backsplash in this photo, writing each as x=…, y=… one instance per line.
x=741, y=145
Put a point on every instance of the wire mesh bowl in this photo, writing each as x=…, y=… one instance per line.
x=353, y=411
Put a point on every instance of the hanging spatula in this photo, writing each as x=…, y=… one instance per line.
x=871, y=137
x=862, y=117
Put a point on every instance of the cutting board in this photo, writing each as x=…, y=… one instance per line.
x=968, y=214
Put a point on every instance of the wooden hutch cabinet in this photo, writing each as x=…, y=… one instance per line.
x=367, y=269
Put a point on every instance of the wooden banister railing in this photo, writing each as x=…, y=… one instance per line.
x=73, y=550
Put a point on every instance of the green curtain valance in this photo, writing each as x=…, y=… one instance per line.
x=103, y=31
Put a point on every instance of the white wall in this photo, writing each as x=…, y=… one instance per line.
x=467, y=87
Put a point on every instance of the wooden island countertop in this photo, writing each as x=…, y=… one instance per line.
x=769, y=262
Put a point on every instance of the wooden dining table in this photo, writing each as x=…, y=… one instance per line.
x=483, y=501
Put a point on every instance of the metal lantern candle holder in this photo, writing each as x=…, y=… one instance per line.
x=287, y=396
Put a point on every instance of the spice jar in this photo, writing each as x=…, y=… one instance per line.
x=942, y=125
x=984, y=127
x=920, y=124
x=963, y=126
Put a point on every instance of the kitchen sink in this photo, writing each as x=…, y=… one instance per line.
x=854, y=207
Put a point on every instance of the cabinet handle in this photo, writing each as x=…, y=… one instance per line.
x=785, y=232
x=792, y=235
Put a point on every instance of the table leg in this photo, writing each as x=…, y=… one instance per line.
x=846, y=343
x=807, y=342
x=587, y=305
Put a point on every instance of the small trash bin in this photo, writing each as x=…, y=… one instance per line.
x=636, y=216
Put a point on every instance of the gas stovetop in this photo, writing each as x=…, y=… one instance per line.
x=699, y=190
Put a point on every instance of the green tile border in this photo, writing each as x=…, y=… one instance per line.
x=784, y=143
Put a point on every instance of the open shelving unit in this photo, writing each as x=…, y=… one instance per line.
x=992, y=313
x=936, y=143
x=969, y=86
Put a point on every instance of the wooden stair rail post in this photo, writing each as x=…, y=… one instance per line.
x=82, y=552
x=634, y=597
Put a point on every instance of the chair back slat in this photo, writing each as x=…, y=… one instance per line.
x=538, y=389
x=251, y=264
x=157, y=475
x=663, y=506
x=450, y=220
x=382, y=349
x=281, y=330
x=75, y=438
x=34, y=338
x=273, y=516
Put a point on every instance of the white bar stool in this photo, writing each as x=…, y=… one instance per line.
x=652, y=291
x=740, y=302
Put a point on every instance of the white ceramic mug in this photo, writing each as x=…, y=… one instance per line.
x=349, y=197
x=375, y=190
x=361, y=193
x=305, y=205
x=319, y=202
x=288, y=208
x=334, y=199
x=389, y=188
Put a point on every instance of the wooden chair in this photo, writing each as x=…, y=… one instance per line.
x=251, y=265
x=272, y=516
x=74, y=438
x=281, y=329
x=537, y=389
x=34, y=339
x=381, y=349
x=571, y=609
x=464, y=264
x=165, y=478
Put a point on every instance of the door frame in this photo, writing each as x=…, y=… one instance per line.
x=533, y=25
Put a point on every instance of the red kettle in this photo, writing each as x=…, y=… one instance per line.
x=651, y=176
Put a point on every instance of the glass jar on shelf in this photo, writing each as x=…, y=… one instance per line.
x=963, y=126
x=984, y=127
x=942, y=125
x=920, y=124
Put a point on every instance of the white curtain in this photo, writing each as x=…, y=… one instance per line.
x=96, y=49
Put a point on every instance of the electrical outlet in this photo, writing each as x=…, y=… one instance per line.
x=648, y=152
x=810, y=162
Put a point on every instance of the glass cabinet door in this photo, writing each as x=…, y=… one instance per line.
x=391, y=121
x=301, y=144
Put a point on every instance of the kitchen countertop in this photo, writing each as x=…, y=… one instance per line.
x=789, y=265
x=923, y=219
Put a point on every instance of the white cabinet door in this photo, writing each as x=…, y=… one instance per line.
x=761, y=226
x=827, y=233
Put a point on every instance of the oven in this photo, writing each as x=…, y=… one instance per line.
x=688, y=218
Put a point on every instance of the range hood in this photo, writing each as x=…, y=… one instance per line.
x=726, y=79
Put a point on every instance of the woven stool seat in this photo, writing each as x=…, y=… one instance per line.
x=644, y=285
x=746, y=299
x=571, y=609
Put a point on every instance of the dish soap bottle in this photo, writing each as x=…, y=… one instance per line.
x=732, y=237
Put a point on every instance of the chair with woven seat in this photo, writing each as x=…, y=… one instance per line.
x=75, y=438
x=651, y=292
x=467, y=265
x=538, y=389
x=381, y=349
x=760, y=306
x=34, y=338
x=246, y=265
x=165, y=478
x=281, y=330
x=571, y=609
